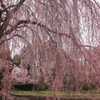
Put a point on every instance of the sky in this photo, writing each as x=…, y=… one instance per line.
x=98, y=1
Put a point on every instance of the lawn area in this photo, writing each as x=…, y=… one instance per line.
x=66, y=95
x=52, y=92
x=34, y=92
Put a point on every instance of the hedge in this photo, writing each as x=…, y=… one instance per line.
x=24, y=86
x=29, y=86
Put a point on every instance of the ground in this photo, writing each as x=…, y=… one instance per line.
x=41, y=95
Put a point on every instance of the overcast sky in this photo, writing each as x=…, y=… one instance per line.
x=98, y=1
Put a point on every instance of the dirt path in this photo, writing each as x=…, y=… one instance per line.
x=50, y=96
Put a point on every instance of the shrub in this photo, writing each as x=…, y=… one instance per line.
x=30, y=86
x=42, y=86
x=24, y=86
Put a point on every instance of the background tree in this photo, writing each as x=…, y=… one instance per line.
x=16, y=60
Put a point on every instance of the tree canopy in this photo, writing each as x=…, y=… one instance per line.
x=62, y=37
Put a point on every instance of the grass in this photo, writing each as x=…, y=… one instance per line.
x=33, y=92
x=75, y=95
x=52, y=92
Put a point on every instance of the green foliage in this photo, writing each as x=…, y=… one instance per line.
x=29, y=67
x=42, y=86
x=1, y=76
x=24, y=86
x=16, y=60
x=29, y=86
